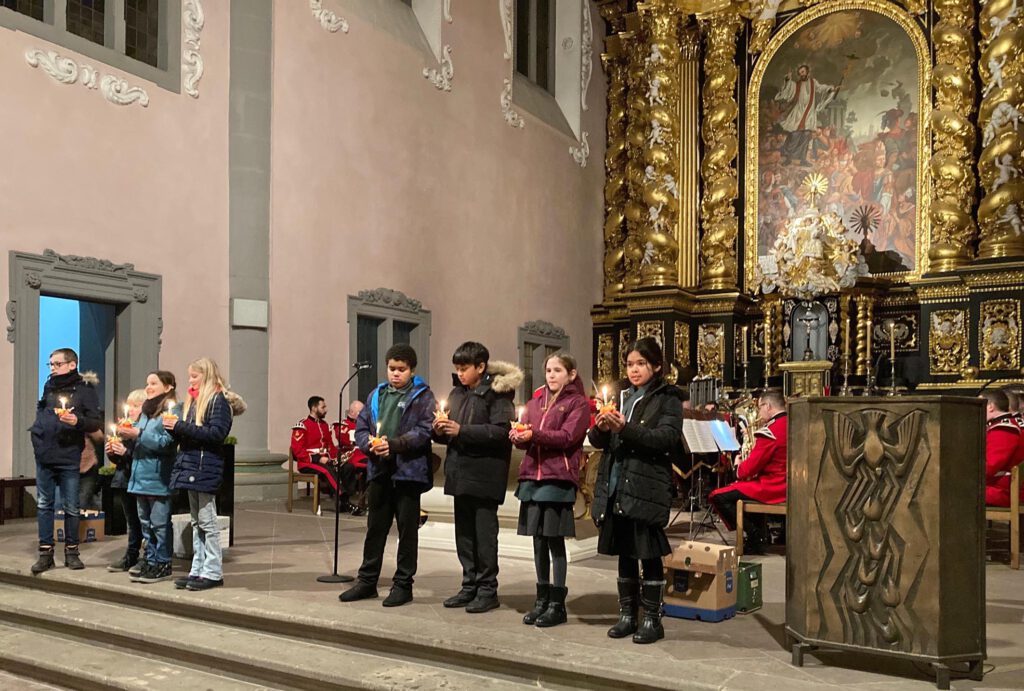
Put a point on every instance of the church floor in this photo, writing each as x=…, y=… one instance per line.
x=271, y=573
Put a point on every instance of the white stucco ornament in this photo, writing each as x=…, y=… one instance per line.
x=65, y=70
x=586, y=55
x=120, y=92
x=62, y=69
x=511, y=116
x=330, y=21
x=442, y=76
x=192, y=21
x=581, y=153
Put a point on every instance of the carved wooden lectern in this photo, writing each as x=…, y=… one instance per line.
x=885, y=535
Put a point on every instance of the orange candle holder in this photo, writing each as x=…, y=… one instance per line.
x=376, y=441
x=520, y=426
x=606, y=407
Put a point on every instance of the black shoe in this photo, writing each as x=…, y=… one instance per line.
x=650, y=629
x=125, y=563
x=204, y=583
x=182, y=583
x=44, y=562
x=629, y=596
x=357, y=511
x=346, y=507
x=157, y=573
x=539, y=605
x=72, y=559
x=398, y=596
x=423, y=518
x=460, y=599
x=360, y=591
x=483, y=603
x=137, y=577
x=555, y=613
x=138, y=568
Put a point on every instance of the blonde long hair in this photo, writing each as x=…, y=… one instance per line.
x=213, y=383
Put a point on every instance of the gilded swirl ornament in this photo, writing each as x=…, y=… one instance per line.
x=615, y=158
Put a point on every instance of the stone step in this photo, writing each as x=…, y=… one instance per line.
x=89, y=665
x=281, y=661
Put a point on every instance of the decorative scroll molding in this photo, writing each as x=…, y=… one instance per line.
x=192, y=22
x=33, y=280
x=92, y=263
x=586, y=55
x=544, y=329
x=581, y=153
x=330, y=22
x=948, y=347
x=513, y=118
x=390, y=298
x=651, y=329
x=710, y=350
x=624, y=343
x=12, y=319
x=66, y=71
x=605, y=357
x=505, y=6
x=681, y=341
x=442, y=77
x=118, y=91
x=999, y=335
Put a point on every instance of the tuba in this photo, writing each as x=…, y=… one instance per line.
x=748, y=419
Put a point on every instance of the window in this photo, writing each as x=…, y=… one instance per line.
x=538, y=340
x=30, y=8
x=141, y=37
x=535, y=42
x=378, y=319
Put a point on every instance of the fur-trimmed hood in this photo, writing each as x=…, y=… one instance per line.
x=90, y=378
x=505, y=376
x=236, y=402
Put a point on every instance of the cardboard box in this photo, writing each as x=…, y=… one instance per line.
x=701, y=582
x=90, y=526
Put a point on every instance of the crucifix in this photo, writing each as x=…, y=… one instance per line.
x=810, y=322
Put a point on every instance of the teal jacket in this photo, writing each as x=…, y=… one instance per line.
x=153, y=458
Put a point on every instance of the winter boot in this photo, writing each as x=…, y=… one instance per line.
x=71, y=558
x=629, y=594
x=541, y=604
x=45, y=560
x=555, y=613
x=651, y=630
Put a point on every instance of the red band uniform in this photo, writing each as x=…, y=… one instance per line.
x=1004, y=449
x=345, y=432
x=761, y=477
x=313, y=446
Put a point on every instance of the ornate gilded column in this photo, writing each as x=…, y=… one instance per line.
x=658, y=265
x=636, y=138
x=721, y=186
x=953, y=137
x=865, y=324
x=1001, y=212
x=772, y=307
x=689, y=157
x=615, y=189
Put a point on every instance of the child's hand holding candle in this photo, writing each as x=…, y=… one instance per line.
x=63, y=409
x=125, y=420
x=113, y=437
x=169, y=412
x=376, y=440
x=519, y=425
x=607, y=405
x=442, y=411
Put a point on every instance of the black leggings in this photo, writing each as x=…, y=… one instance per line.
x=652, y=569
x=548, y=551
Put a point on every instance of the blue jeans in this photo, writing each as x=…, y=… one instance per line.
x=207, y=555
x=155, y=517
x=47, y=480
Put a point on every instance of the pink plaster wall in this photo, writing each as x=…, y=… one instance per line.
x=381, y=180
x=142, y=185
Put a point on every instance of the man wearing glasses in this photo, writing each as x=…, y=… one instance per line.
x=67, y=411
x=761, y=477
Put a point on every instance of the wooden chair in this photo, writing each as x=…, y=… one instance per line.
x=743, y=507
x=1011, y=515
x=311, y=479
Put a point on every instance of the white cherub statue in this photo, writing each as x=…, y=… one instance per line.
x=648, y=254
x=654, y=96
x=1007, y=171
x=1003, y=114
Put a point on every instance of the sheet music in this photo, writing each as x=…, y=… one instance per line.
x=725, y=436
x=698, y=436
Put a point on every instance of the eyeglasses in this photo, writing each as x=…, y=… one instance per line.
x=56, y=365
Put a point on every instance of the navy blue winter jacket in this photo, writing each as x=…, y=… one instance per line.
x=409, y=459
x=55, y=443
x=200, y=463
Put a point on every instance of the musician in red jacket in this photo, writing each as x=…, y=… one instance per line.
x=345, y=434
x=1004, y=447
x=314, y=451
x=761, y=477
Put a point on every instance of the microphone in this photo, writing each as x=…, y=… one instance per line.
x=362, y=364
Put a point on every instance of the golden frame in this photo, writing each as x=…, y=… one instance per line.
x=923, y=191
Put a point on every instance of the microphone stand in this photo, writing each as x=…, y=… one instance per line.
x=334, y=576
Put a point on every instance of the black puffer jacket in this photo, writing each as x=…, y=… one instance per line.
x=55, y=443
x=478, y=459
x=645, y=447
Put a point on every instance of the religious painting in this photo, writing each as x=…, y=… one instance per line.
x=837, y=113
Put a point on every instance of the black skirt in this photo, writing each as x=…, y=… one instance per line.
x=625, y=537
x=546, y=519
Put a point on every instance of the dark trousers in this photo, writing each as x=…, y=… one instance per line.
x=725, y=506
x=476, y=541
x=389, y=502
x=131, y=517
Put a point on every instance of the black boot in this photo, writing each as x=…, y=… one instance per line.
x=629, y=594
x=555, y=613
x=651, y=630
x=45, y=560
x=539, y=605
x=71, y=558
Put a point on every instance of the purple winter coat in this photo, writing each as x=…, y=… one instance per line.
x=556, y=449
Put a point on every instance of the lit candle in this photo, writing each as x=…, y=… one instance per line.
x=113, y=436
x=846, y=338
x=604, y=394
x=63, y=403
x=744, y=355
x=522, y=412
x=378, y=429
x=126, y=410
x=892, y=341
x=170, y=409
x=442, y=410
x=867, y=345
x=376, y=440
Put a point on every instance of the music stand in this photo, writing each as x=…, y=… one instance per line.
x=334, y=576
x=707, y=520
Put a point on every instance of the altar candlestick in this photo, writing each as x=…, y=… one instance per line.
x=846, y=338
x=892, y=341
x=867, y=349
x=744, y=354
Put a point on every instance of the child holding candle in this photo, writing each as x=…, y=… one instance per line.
x=476, y=467
x=119, y=451
x=557, y=419
x=152, y=463
x=633, y=492
x=204, y=424
x=397, y=415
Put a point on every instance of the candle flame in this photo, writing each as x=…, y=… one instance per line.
x=63, y=402
x=113, y=429
x=522, y=412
